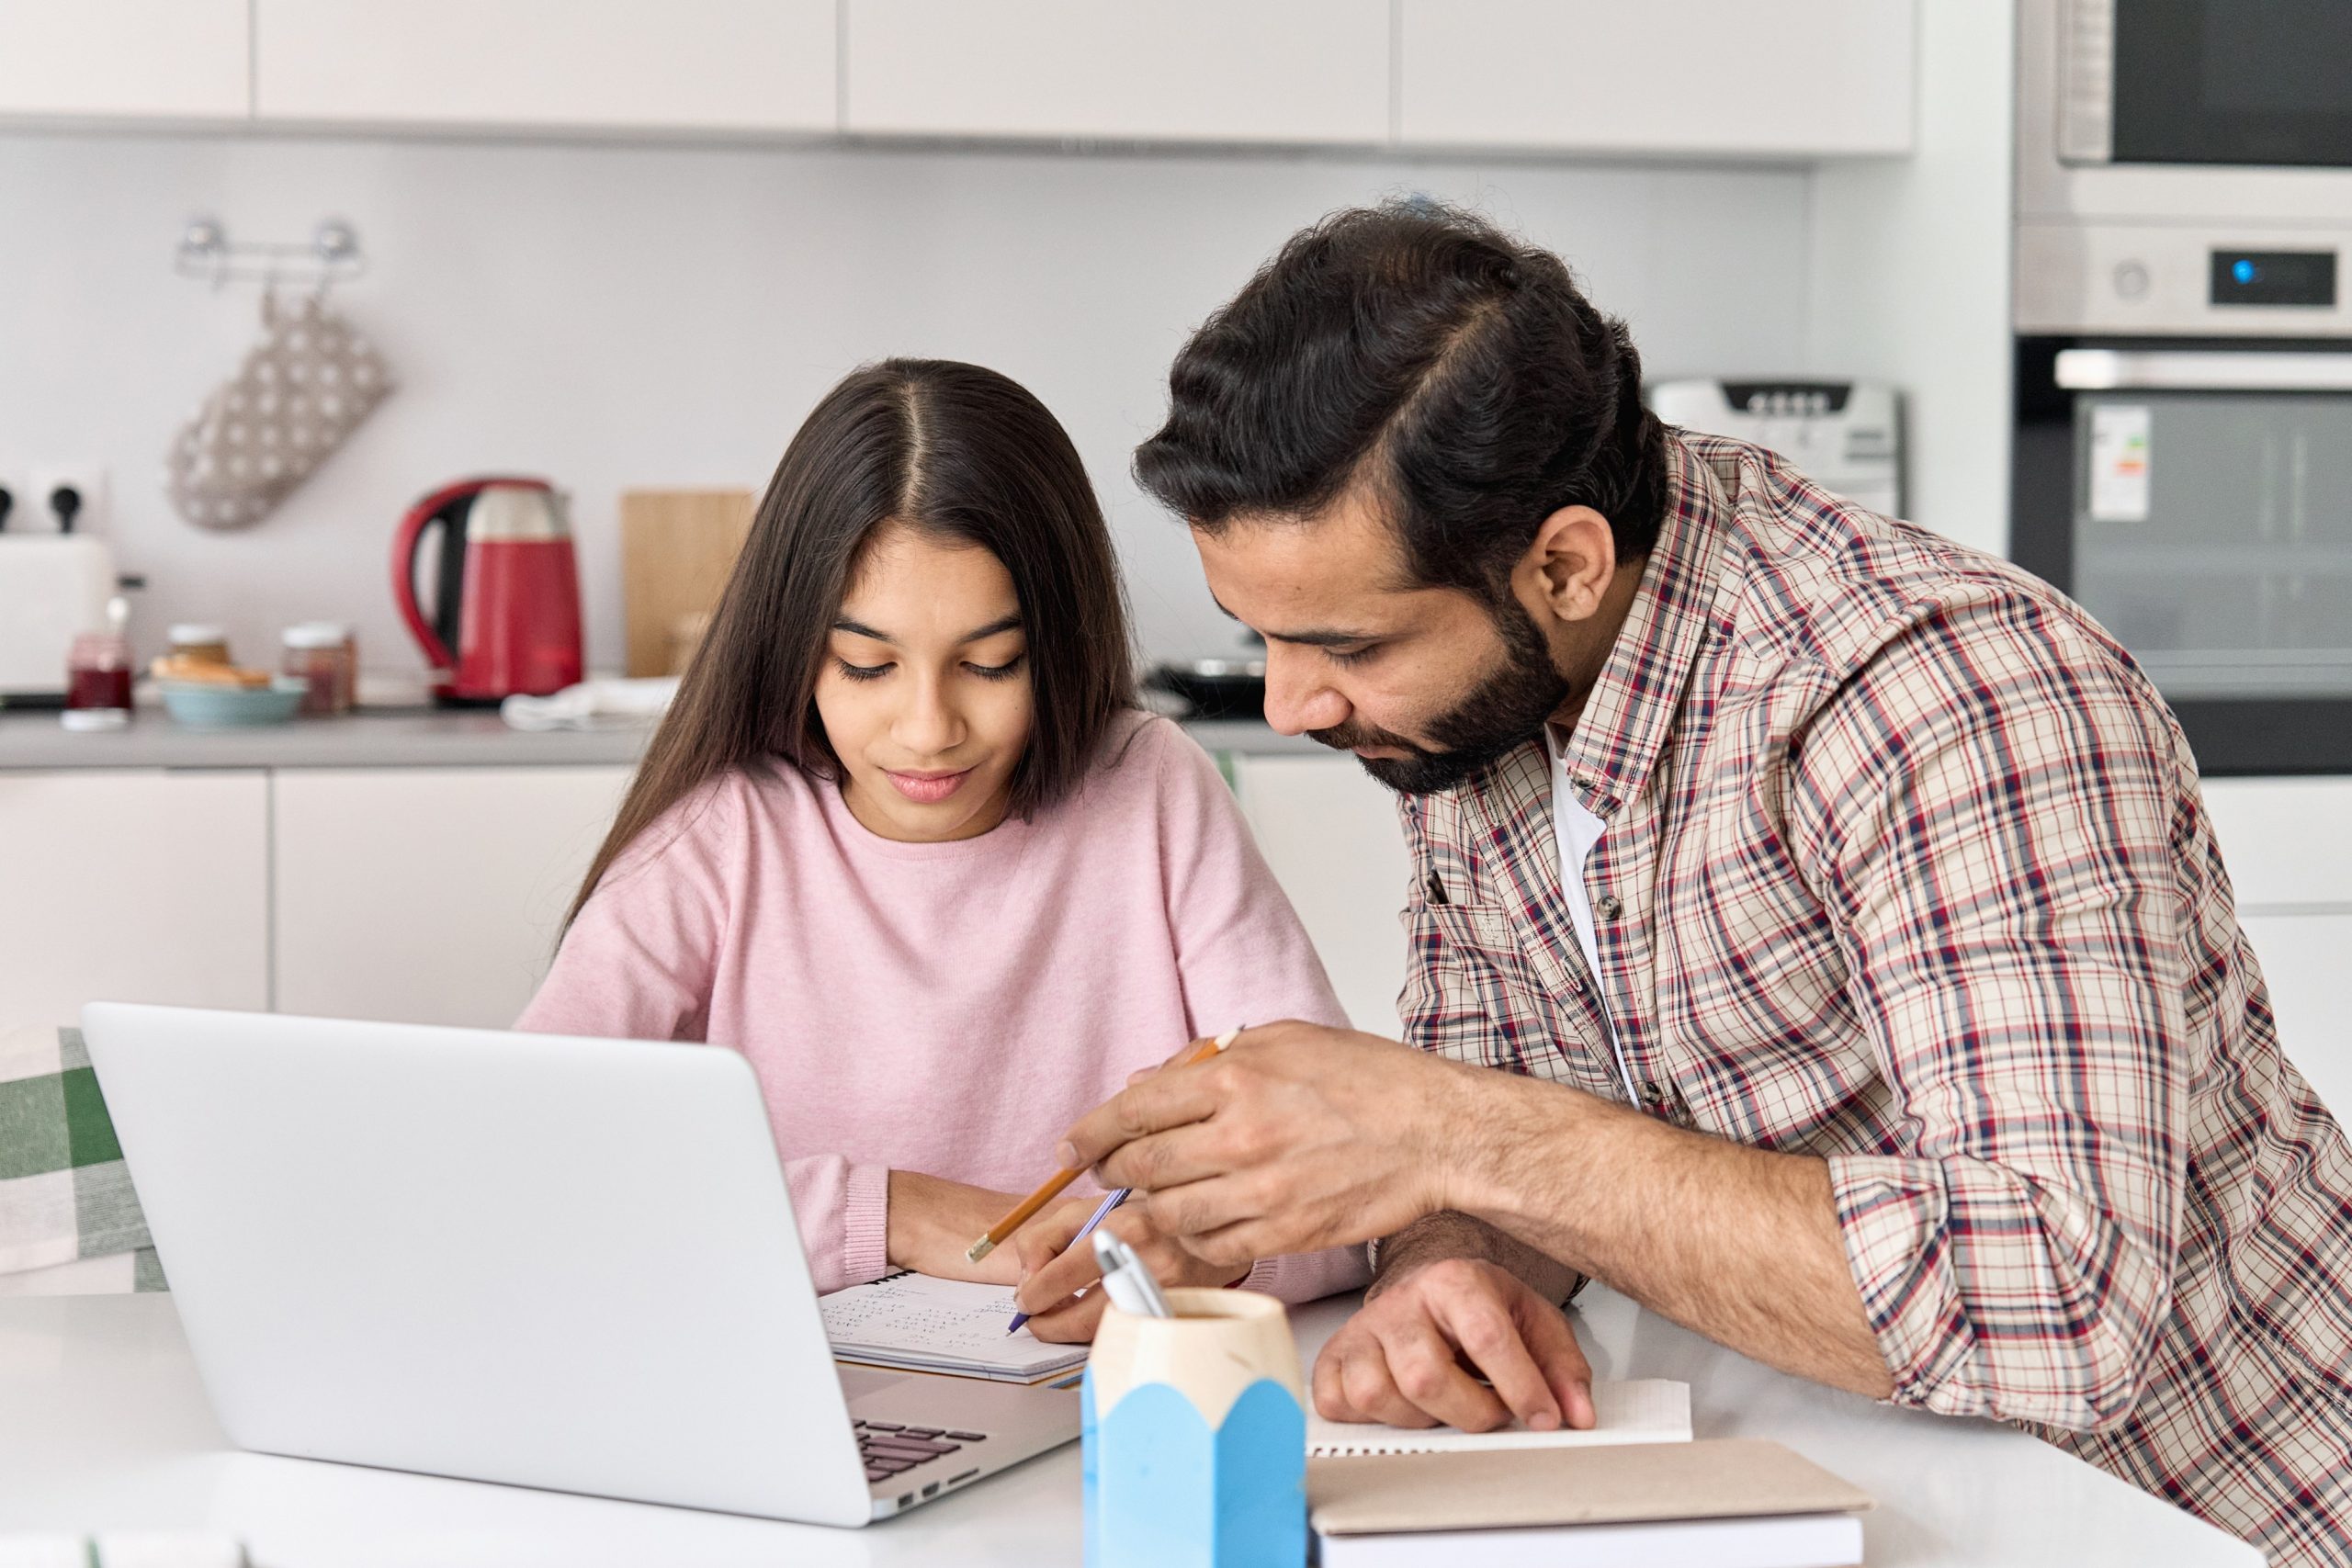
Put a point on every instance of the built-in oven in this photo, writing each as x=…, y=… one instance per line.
x=2182, y=461
x=2196, y=498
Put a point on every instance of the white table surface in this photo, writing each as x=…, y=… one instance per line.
x=104, y=1425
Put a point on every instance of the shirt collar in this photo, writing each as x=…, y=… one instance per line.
x=1631, y=709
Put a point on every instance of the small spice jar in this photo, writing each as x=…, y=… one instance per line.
x=198, y=642
x=322, y=652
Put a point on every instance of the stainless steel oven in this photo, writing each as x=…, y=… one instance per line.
x=2183, y=447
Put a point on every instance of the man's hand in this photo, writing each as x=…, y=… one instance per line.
x=1296, y=1138
x=1053, y=1271
x=1414, y=1355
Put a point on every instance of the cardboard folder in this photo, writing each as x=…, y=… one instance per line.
x=1531, y=1488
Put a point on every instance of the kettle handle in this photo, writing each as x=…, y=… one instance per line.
x=406, y=543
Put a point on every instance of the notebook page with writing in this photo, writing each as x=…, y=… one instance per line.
x=1638, y=1410
x=919, y=1323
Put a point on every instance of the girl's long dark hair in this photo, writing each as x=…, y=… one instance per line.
x=963, y=454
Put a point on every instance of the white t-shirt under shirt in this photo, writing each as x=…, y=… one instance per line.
x=1578, y=830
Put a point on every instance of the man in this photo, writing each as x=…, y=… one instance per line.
x=1836, y=903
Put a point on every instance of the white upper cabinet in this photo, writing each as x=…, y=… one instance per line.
x=124, y=59
x=1771, y=78
x=762, y=65
x=1273, y=71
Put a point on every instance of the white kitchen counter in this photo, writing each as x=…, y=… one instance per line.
x=399, y=738
x=105, y=1427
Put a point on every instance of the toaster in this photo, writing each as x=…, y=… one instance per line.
x=52, y=588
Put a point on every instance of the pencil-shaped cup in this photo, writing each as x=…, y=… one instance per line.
x=1195, y=1445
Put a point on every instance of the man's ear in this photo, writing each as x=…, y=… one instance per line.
x=1568, y=567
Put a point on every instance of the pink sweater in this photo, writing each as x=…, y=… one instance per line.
x=943, y=1007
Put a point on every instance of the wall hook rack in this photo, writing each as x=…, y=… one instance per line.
x=331, y=255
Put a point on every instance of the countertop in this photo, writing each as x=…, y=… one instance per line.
x=394, y=737
x=104, y=1425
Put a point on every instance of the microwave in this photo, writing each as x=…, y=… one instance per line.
x=2146, y=118
x=2181, y=460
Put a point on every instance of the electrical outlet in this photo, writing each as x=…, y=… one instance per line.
x=16, y=479
x=87, y=482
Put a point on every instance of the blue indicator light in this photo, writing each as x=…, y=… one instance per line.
x=2242, y=270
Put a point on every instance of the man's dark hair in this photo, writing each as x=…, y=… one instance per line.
x=1420, y=352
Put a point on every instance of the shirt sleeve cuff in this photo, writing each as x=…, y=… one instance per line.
x=1892, y=1213
x=865, y=1222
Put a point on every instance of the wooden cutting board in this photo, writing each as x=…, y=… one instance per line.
x=677, y=547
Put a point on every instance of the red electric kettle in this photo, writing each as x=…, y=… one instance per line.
x=506, y=614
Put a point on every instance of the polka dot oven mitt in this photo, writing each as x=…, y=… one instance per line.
x=298, y=395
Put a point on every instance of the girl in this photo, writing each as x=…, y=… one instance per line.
x=904, y=841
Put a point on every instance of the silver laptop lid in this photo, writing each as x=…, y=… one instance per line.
x=560, y=1262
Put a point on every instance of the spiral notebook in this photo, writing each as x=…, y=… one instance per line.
x=913, y=1323
x=1637, y=1410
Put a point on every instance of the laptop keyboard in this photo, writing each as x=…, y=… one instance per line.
x=891, y=1450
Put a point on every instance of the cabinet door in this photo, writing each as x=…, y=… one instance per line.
x=2305, y=958
x=164, y=59
x=1303, y=71
x=2287, y=843
x=1788, y=78
x=134, y=886
x=696, y=64
x=429, y=895
x=1332, y=836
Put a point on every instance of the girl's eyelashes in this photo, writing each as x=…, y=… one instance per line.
x=1004, y=671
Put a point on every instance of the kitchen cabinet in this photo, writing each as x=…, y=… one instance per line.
x=2288, y=844
x=125, y=59
x=1794, y=78
x=429, y=895
x=1333, y=840
x=764, y=65
x=134, y=886
x=1303, y=71
x=2303, y=959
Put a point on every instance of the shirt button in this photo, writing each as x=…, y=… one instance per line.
x=1608, y=906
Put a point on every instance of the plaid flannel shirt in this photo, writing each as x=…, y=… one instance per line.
x=65, y=1196
x=1906, y=866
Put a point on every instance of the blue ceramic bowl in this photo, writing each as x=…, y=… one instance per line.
x=204, y=705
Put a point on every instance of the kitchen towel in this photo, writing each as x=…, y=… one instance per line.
x=298, y=395
x=603, y=703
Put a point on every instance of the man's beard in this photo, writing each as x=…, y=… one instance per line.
x=1503, y=711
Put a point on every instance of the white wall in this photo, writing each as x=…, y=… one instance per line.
x=618, y=315
x=1910, y=272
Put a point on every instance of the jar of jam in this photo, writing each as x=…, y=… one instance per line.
x=98, y=675
x=323, y=653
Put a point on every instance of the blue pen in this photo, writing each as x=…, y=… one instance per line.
x=1102, y=1210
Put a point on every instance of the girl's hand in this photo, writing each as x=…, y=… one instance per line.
x=1053, y=1271
x=933, y=1220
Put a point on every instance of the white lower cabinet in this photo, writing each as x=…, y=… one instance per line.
x=1332, y=836
x=132, y=886
x=2303, y=959
x=429, y=895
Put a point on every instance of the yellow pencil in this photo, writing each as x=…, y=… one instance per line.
x=1027, y=1208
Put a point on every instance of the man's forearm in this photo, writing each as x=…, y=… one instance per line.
x=1740, y=1243
x=1451, y=1233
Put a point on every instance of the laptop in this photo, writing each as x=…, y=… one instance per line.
x=564, y=1263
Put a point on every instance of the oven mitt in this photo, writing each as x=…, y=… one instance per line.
x=301, y=392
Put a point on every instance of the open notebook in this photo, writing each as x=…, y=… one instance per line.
x=1639, y=1410
x=916, y=1324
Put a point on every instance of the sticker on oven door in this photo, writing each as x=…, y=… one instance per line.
x=2119, y=463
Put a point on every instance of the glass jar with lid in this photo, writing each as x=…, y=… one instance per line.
x=323, y=653
x=198, y=642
